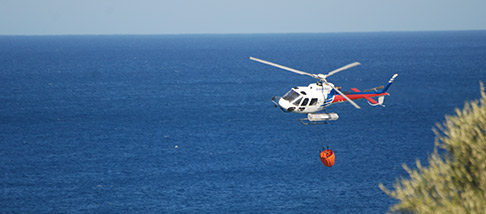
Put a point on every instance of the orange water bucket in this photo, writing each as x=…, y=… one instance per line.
x=327, y=157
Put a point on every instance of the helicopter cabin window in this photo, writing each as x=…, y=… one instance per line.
x=297, y=101
x=291, y=96
x=304, y=103
x=313, y=101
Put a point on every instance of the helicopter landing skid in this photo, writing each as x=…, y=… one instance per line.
x=318, y=119
x=306, y=122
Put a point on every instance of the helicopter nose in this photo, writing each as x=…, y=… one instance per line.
x=287, y=110
x=285, y=106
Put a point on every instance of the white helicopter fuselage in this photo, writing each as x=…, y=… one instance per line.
x=318, y=96
x=307, y=99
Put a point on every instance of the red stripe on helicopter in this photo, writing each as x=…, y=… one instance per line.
x=340, y=98
x=367, y=98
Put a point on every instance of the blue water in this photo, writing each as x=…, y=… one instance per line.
x=184, y=123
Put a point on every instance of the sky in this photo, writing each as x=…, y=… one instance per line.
x=68, y=17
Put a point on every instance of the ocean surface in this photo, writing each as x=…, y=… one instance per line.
x=185, y=123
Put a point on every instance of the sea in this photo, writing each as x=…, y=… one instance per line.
x=185, y=123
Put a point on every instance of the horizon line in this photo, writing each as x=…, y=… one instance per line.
x=261, y=33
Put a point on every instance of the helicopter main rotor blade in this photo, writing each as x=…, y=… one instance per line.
x=347, y=98
x=343, y=68
x=283, y=67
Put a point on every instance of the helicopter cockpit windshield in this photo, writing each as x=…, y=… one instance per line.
x=291, y=95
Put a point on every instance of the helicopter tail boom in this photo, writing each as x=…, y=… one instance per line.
x=368, y=94
x=371, y=101
x=360, y=95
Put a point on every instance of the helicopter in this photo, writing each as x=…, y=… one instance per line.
x=316, y=97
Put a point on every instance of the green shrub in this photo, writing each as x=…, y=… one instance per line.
x=454, y=180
